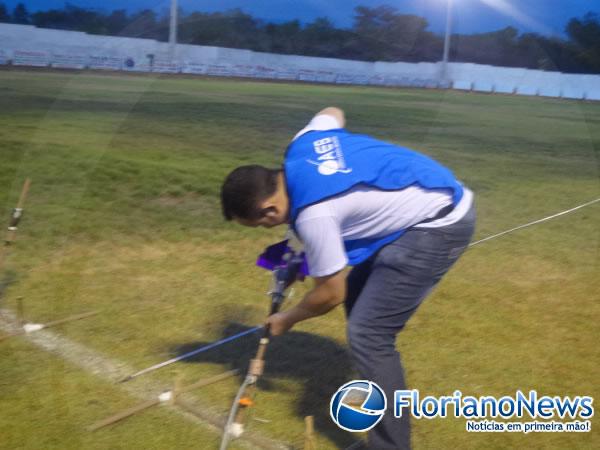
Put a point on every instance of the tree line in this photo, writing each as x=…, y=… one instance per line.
x=377, y=34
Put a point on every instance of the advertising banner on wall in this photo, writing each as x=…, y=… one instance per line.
x=323, y=76
x=68, y=61
x=307, y=75
x=377, y=80
x=194, y=68
x=165, y=66
x=350, y=78
x=3, y=58
x=265, y=72
x=285, y=74
x=103, y=62
x=219, y=70
x=319, y=76
x=243, y=70
x=31, y=58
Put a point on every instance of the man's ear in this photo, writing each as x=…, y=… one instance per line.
x=268, y=211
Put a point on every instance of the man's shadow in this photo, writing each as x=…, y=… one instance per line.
x=321, y=365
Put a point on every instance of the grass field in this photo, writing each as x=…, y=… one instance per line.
x=123, y=216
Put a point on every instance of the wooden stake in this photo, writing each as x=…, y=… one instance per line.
x=53, y=324
x=176, y=389
x=24, y=192
x=14, y=221
x=207, y=381
x=12, y=229
x=70, y=319
x=20, y=311
x=123, y=414
x=148, y=404
x=309, y=438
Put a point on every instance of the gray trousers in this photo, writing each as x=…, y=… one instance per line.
x=383, y=293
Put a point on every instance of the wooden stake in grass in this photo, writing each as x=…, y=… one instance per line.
x=176, y=389
x=20, y=311
x=15, y=218
x=309, y=436
x=33, y=327
x=123, y=414
x=168, y=397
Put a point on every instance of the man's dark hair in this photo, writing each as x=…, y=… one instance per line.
x=244, y=188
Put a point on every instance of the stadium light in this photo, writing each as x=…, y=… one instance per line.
x=444, y=72
x=173, y=29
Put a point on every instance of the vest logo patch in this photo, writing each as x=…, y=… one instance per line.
x=330, y=158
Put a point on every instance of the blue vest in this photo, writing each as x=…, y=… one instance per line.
x=321, y=164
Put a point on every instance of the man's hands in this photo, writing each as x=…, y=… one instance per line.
x=329, y=291
x=280, y=323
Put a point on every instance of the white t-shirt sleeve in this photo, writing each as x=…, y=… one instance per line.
x=322, y=122
x=319, y=230
x=323, y=244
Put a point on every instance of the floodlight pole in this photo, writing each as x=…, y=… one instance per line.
x=173, y=29
x=444, y=72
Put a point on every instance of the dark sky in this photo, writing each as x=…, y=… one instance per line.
x=543, y=16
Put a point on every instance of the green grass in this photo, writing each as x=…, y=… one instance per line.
x=47, y=404
x=123, y=216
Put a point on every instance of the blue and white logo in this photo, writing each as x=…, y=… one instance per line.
x=358, y=406
x=330, y=159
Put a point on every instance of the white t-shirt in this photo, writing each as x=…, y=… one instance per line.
x=365, y=212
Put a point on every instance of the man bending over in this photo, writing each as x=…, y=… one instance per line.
x=398, y=217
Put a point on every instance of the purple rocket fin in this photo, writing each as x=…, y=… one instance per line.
x=272, y=257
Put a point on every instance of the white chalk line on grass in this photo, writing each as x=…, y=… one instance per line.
x=112, y=370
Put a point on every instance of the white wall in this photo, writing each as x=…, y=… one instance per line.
x=31, y=46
